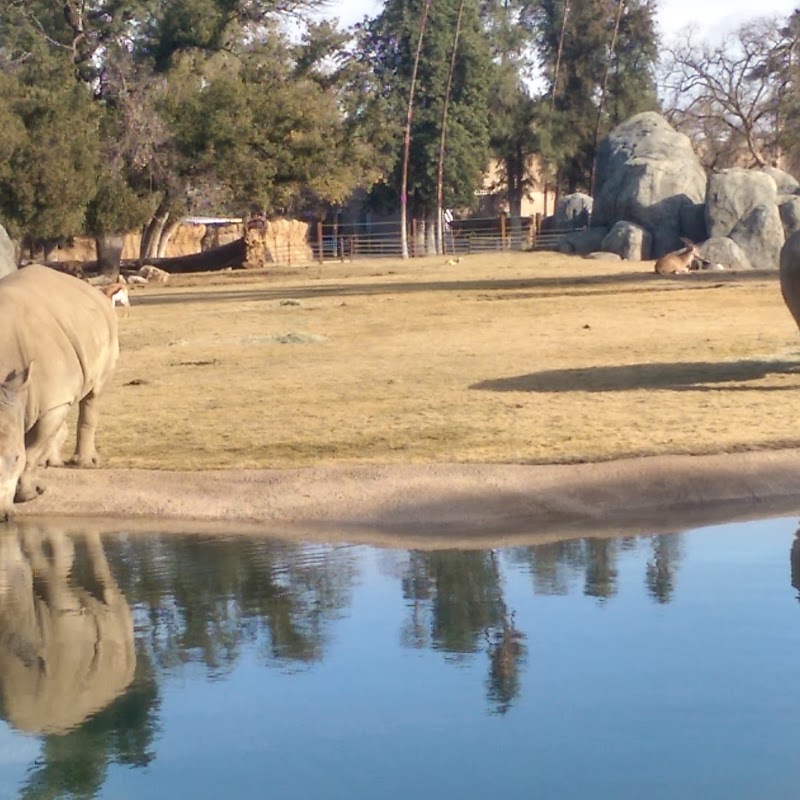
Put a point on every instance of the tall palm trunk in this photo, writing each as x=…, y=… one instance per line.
x=443, y=138
x=407, y=137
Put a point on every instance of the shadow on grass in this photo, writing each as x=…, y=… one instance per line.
x=544, y=286
x=684, y=376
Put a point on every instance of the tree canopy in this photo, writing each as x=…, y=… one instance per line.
x=388, y=44
x=119, y=111
x=599, y=61
x=120, y=115
x=736, y=97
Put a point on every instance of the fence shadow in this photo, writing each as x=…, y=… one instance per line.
x=683, y=376
x=564, y=285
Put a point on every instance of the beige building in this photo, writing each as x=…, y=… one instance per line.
x=538, y=199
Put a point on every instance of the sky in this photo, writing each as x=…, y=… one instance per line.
x=709, y=16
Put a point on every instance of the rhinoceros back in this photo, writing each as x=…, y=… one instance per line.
x=66, y=327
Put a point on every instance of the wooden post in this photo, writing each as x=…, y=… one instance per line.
x=414, y=238
x=502, y=230
x=320, y=244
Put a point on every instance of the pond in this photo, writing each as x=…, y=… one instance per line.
x=166, y=666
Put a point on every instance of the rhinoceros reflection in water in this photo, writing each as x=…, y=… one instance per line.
x=66, y=650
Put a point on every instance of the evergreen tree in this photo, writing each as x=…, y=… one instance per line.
x=49, y=153
x=593, y=49
x=171, y=107
x=514, y=136
x=389, y=44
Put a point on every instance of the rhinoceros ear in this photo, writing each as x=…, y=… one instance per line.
x=17, y=381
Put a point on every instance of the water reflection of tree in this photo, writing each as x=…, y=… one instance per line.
x=67, y=657
x=662, y=566
x=75, y=764
x=205, y=598
x=556, y=567
x=197, y=600
x=794, y=562
x=457, y=606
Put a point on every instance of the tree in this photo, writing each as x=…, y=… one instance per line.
x=389, y=44
x=514, y=136
x=443, y=132
x=407, y=131
x=49, y=168
x=731, y=96
x=598, y=60
x=198, y=105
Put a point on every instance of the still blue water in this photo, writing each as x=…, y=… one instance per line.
x=167, y=666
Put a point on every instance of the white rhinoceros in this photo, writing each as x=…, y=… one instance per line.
x=58, y=345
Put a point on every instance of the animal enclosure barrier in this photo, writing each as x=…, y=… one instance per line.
x=347, y=241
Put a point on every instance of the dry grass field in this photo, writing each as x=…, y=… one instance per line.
x=506, y=358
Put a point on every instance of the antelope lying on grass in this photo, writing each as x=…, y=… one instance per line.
x=678, y=260
x=117, y=293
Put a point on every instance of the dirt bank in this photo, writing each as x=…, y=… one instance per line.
x=432, y=504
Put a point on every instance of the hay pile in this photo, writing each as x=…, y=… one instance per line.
x=278, y=241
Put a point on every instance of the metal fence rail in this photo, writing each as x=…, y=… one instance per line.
x=329, y=241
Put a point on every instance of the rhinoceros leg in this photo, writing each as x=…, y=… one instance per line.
x=52, y=458
x=85, y=451
x=38, y=443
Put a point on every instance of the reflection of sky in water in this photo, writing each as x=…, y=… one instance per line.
x=620, y=697
x=15, y=751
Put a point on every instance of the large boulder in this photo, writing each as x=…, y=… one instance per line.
x=724, y=251
x=629, y=241
x=582, y=242
x=646, y=173
x=8, y=254
x=732, y=194
x=573, y=211
x=786, y=183
x=693, y=222
x=760, y=234
x=789, y=210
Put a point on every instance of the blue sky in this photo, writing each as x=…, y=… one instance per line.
x=710, y=16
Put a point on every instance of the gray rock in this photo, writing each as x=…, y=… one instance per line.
x=573, y=211
x=646, y=173
x=724, y=252
x=789, y=210
x=693, y=222
x=629, y=241
x=602, y=255
x=760, y=234
x=712, y=267
x=786, y=183
x=732, y=194
x=8, y=253
x=583, y=242
x=548, y=223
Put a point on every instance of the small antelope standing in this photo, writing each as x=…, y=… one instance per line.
x=117, y=293
x=678, y=260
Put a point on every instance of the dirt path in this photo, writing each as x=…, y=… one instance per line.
x=427, y=505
